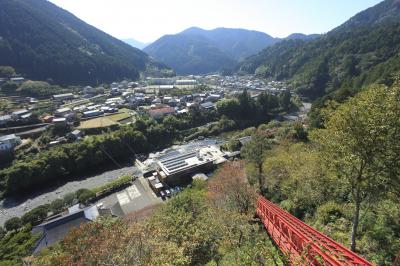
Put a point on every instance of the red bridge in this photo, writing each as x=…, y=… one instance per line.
x=301, y=243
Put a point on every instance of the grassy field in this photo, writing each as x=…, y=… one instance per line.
x=119, y=116
x=99, y=122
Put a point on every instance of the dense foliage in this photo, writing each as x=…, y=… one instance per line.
x=58, y=163
x=345, y=180
x=15, y=245
x=6, y=71
x=44, y=42
x=362, y=51
x=37, y=89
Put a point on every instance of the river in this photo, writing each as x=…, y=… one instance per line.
x=11, y=207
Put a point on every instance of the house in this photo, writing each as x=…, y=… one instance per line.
x=62, y=112
x=55, y=230
x=161, y=112
x=166, y=99
x=93, y=113
x=60, y=122
x=5, y=119
x=186, y=82
x=18, y=80
x=173, y=102
x=48, y=119
x=8, y=142
x=207, y=106
x=74, y=135
x=18, y=114
x=26, y=117
x=63, y=97
x=213, y=98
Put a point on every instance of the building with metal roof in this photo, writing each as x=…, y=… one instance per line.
x=177, y=167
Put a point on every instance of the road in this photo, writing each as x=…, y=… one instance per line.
x=10, y=207
x=299, y=115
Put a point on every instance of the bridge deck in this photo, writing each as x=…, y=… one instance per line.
x=302, y=243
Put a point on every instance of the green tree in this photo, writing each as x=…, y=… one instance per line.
x=84, y=195
x=255, y=152
x=229, y=108
x=69, y=198
x=57, y=205
x=285, y=100
x=9, y=87
x=36, y=215
x=360, y=143
x=13, y=224
x=6, y=71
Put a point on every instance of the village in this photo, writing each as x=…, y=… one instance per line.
x=152, y=178
x=97, y=108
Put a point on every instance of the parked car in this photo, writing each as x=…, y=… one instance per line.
x=162, y=194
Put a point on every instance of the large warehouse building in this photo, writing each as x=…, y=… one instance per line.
x=177, y=167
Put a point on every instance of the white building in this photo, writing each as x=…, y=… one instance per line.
x=63, y=97
x=186, y=82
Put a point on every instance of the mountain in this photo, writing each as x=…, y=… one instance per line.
x=364, y=50
x=135, y=43
x=199, y=51
x=301, y=36
x=237, y=43
x=43, y=41
x=189, y=54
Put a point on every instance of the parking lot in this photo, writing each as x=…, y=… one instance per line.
x=134, y=198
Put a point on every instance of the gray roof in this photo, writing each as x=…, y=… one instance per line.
x=5, y=117
x=55, y=230
x=8, y=137
x=20, y=112
x=207, y=105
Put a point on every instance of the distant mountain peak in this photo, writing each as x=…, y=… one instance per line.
x=192, y=30
x=198, y=51
x=135, y=43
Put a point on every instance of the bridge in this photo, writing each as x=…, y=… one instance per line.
x=302, y=244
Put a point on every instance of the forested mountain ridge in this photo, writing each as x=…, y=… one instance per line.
x=199, y=51
x=43, y=41
x=237, y=43
x=364, y=50
x=189, y=54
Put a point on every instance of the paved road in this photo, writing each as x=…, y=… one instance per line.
x=10, y=208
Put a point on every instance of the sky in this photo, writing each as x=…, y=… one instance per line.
x=147, y=20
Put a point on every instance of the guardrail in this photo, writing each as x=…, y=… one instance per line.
x=302, y=244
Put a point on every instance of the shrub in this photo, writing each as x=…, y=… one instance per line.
x=57, y=205
x=13, y=224
x=69, y=198
x=329, y=212
x=36, y=216
x=84, y=195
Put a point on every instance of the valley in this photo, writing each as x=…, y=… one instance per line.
x=211, y=145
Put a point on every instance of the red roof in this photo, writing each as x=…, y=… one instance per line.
x=162, y=111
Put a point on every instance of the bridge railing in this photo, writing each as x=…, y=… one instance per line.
x=301, y=243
